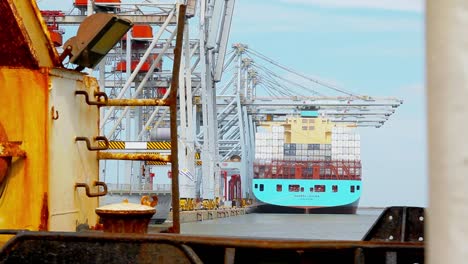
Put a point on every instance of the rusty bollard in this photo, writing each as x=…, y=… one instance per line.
x=125, y=217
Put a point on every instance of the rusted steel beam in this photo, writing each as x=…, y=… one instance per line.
x=47, y=246
x=133, y=156
x=136, y=102
x=173, y=116
x=11, y=149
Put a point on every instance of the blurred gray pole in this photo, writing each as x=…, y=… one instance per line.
x=447, y=90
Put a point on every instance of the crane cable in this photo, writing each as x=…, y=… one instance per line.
x=256, y=53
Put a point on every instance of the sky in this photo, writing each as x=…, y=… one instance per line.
x=371, y=47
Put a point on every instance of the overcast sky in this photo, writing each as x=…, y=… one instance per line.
x=372, y=47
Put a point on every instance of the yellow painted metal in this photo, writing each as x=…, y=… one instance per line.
x=39, y=191
x=187, y=204
x=24, y=112
x=136, y=102
x=183, y=204
x=305, y=130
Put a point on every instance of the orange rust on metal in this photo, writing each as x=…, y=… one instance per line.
x=125, y=221
x=173, y=118
x=4, y=161
x=44, y=224
x=16, y=49
x=11, y=149
x=145, y=200
x=133, y=156
x=88, y=190
x=103, y=139
x=24, y=38
x=137, y=102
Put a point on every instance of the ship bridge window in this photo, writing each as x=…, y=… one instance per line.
x=352, y=188
x=358, y=187
x=294, y=187
x=334, y=188
x=311, y=189
x=319, y=188
x=302, y=189
x=256, y=186
x=261, y=187
x=279, y=187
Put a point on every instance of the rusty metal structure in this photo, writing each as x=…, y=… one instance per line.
x=50, y=147
x=398, y=242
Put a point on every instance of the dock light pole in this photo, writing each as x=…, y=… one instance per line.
x=447, y=93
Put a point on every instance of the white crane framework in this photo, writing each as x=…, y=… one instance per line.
x=257, y=88
x=217, y=116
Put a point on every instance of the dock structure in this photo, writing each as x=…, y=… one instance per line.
x=204, y=215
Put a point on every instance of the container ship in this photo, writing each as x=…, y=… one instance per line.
x=307, y=164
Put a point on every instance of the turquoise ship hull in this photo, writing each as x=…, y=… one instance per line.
x=307, y=195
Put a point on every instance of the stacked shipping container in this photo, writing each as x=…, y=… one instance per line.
x=269, y=145
x=276, y=159
x=346, y=144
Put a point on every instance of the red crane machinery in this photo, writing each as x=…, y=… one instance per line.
x=54, y=30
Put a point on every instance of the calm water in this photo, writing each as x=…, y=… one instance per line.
x=293, y=226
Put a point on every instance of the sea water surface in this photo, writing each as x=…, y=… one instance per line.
x=288, y=226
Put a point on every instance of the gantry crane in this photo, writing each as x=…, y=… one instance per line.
x=223, y=95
